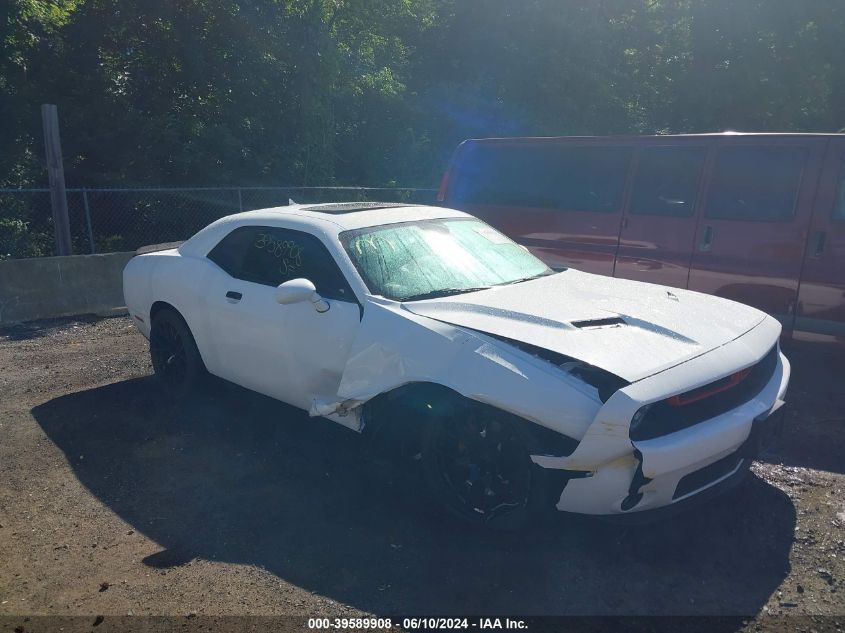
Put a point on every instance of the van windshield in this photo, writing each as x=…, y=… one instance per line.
x=437, y=258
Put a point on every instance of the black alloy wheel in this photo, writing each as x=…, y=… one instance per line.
x=478, y=464
x=174, y=354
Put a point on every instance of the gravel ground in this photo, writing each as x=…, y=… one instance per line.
x=113, y=503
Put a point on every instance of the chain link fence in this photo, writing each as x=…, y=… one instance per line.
x=109, y=220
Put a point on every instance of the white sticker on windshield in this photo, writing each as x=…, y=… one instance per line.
x=492, y=235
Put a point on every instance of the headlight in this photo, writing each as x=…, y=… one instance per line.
x=639, y=416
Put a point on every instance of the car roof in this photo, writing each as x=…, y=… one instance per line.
x=326, y=219
x=337, y=217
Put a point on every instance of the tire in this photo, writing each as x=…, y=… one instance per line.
x=477, y=464
x=175, y=358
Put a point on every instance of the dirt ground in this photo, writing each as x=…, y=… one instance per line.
x=114, y=503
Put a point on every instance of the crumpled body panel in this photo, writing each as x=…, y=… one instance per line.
x=394, y=348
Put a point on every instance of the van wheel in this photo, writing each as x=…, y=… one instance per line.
x=175, y=358
x=478, y=465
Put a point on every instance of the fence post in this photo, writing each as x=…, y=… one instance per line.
x=240, y=200
x=88, y=219
x=56, y=174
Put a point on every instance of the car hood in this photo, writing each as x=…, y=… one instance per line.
x=631, y=329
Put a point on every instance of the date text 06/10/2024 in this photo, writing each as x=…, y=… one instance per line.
x=481, y=624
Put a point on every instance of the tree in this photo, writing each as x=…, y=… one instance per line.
x=373, y=92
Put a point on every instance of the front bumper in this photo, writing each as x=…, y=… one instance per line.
x=716, y=479
x=635, y=476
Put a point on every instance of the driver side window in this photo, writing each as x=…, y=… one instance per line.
x=271, y=256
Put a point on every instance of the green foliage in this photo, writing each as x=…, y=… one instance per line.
x=17, y=240
x=368, y=92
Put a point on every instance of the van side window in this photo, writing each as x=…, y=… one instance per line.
x=755, y=183
x=570, y=178
x=667, y=181
x=839, y=209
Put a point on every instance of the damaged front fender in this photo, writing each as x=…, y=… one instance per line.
x=394, y=347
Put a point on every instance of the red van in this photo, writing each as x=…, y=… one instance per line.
x=758, y=218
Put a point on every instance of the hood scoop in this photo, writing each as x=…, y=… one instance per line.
x=592, y=323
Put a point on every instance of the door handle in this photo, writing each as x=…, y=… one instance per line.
x=235, y=296
x=706, y=239
x=819, y=240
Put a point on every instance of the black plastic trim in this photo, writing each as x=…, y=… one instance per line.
x=663, y=418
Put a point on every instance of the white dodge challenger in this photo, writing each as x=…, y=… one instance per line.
x=519, y=388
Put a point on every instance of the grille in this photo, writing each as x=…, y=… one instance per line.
x=696, y=406
x=707, y=475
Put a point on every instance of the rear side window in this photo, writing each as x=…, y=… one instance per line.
x=271, y=256
x=755, y=183
x=667, y=181
x=572, y=178
x=229, y=252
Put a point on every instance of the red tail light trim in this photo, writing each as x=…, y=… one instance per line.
x=709, y=390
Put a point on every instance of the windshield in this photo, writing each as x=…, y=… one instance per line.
x=430, y=258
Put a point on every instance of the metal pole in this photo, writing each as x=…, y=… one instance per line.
x=56, y=174
x=88, y=219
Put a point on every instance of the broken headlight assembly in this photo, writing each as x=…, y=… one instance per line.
x=638, y=418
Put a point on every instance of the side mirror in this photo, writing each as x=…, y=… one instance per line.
x=299, y=290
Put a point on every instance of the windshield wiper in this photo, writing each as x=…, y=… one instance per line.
x=443, y=292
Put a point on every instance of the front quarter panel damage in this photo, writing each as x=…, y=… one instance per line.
x=395, y=348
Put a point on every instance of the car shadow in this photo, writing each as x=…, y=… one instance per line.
x=241, y=478
x=32, y=330
x=814, y=423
